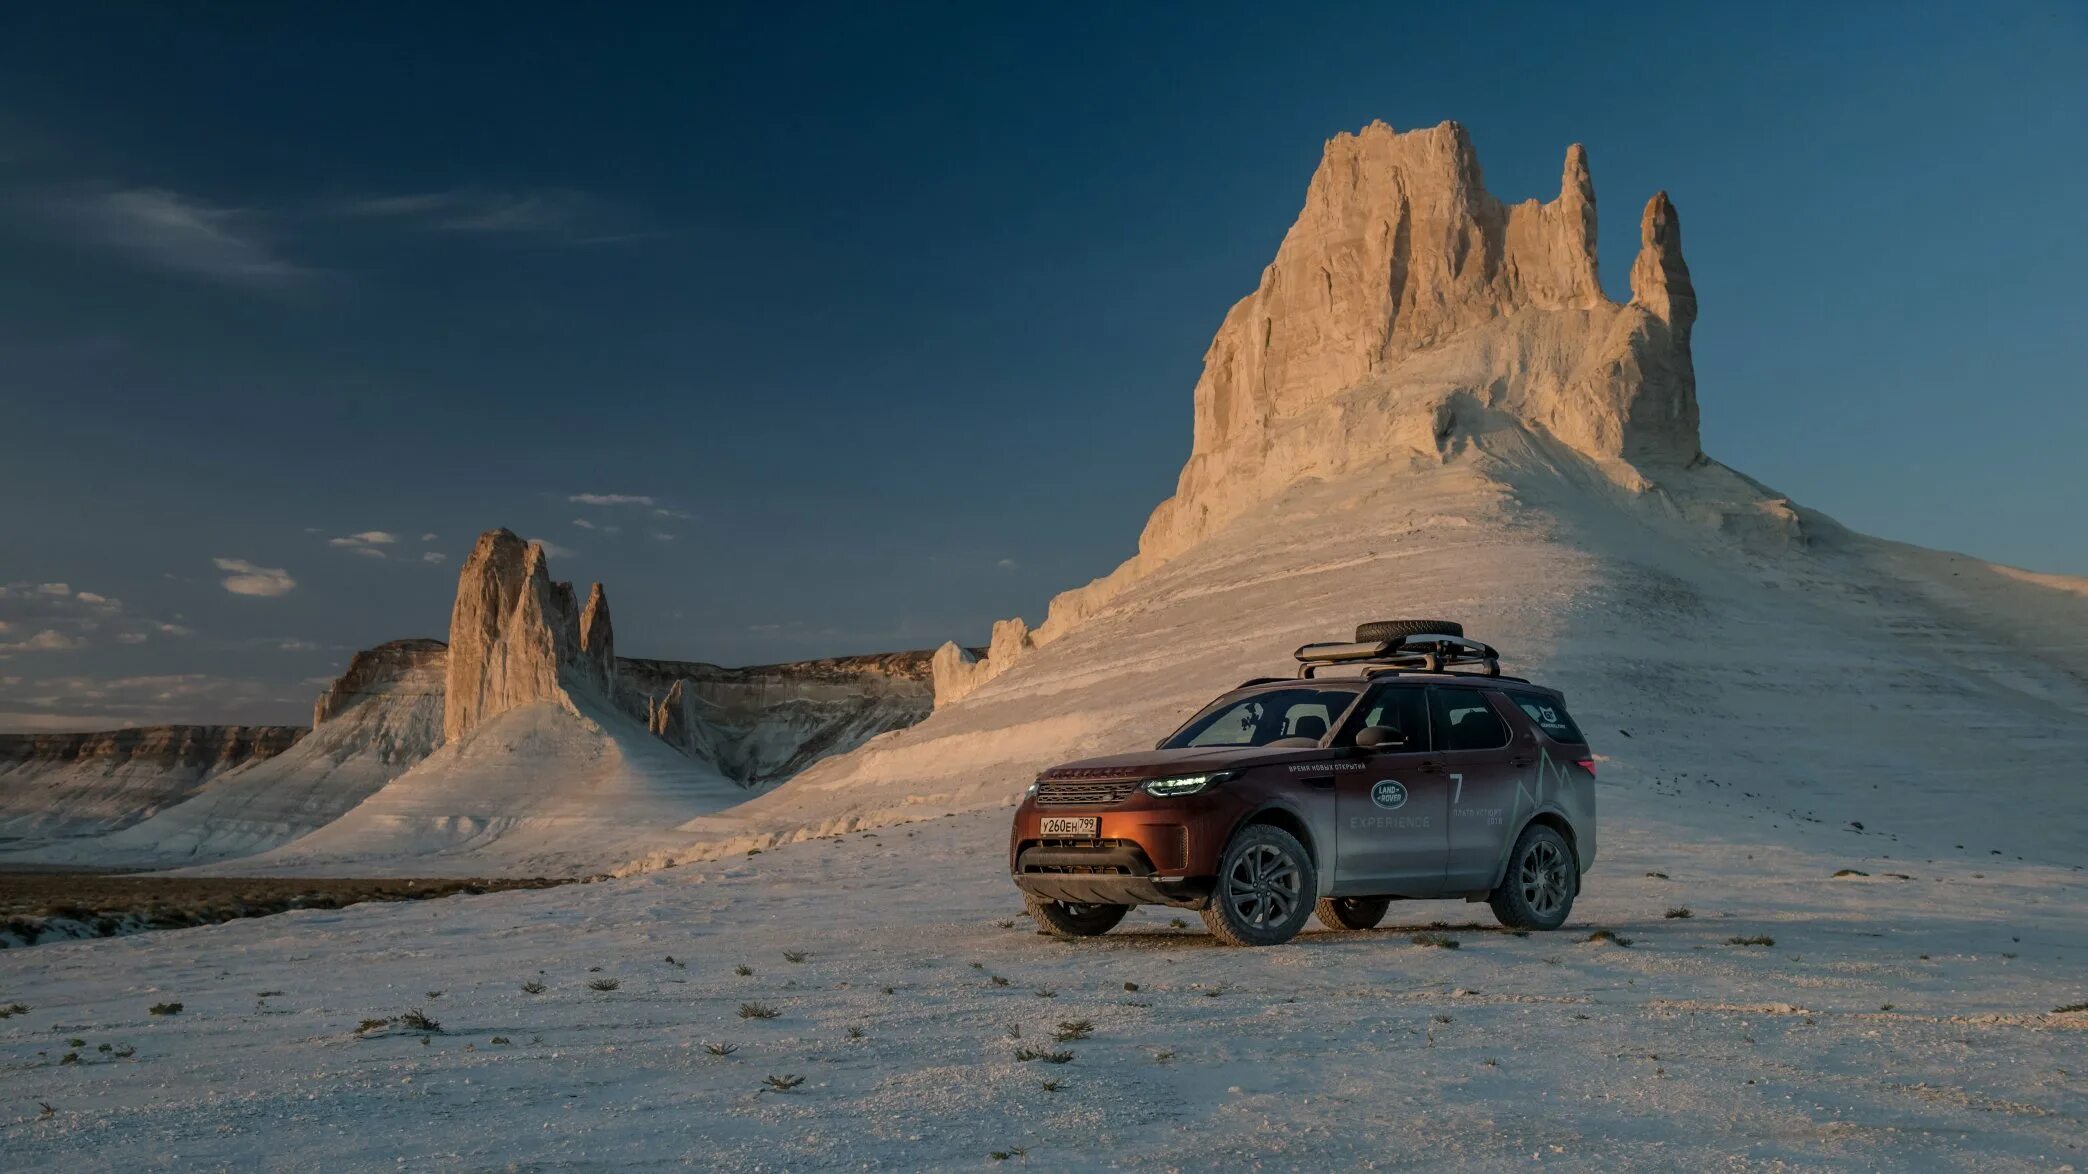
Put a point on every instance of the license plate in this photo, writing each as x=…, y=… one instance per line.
x=1067, y=825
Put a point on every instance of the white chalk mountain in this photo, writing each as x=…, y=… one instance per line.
x=523, y=745
x=1428, y=406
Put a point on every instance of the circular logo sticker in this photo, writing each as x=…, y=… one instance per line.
x=1388, y=793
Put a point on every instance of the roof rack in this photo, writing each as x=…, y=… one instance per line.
x=1424, y=654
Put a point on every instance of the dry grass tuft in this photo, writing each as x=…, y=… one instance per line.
x=757, y=1011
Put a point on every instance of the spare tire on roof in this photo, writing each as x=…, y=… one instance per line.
x=1377, y=630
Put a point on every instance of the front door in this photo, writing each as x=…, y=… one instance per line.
x=1390, y=806
x=1475, y=747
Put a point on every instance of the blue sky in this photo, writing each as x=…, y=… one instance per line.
x=891, y=316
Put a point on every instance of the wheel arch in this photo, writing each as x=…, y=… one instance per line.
x=1291, y=820
x=1549, y=817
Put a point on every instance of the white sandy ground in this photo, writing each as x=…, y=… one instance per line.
x=1894, y=1022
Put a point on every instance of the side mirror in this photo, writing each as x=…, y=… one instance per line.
x=1379, y=738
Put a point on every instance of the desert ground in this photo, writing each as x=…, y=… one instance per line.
x=1907, y=1016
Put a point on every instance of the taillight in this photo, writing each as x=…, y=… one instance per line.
x=1586, y=764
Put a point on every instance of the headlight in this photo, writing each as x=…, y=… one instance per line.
x=1185, y=784
x=1031, y=793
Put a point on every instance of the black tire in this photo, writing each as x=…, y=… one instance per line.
x=1352, y=912
x=1265, y=891
x=1542, y=879
x=1062, y=920
x=1377, y=630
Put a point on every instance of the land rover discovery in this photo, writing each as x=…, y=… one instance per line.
x=1424, y=774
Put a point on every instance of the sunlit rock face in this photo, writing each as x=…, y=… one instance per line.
x=1406, y=313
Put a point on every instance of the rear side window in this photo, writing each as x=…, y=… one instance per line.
x=1549, y=713
x=1399, y=707
x=1464, y=720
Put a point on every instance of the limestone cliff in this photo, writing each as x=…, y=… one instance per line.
x=84, y=783
x=767, y=722
x=1407, y=310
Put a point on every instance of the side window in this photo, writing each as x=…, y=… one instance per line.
x=1550, y=715
x=1464, y=720
x=1401, y=707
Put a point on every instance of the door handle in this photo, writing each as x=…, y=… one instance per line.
x=1432, y=767
x=1525, y=761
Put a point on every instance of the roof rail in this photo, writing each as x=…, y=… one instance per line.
x=1427, y=654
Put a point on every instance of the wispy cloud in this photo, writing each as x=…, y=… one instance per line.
x=434, y=556
x=369, y=543
x=248, y=579
x=610, y=499
x=56, y=618
x=599, y=527
x=564, y=214
x=178, y=233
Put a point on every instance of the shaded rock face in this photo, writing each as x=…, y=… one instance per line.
x=1407, y=317
x=400, y=667
x=86, y=783
x=768, y=722
x=516, y=636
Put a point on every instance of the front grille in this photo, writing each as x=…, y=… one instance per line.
x=1080, y=794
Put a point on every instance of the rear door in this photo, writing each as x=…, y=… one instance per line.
x=1389, y=805
x=1477, y=751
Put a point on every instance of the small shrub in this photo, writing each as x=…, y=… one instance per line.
x=757, y=1011
x=266, y=994
x=70, y=1058
x=1611, y=936
x=886, y=990
x=743, y=970
x=603, y=984
x=1006, y=923
x=1440, y=941
x=1756, y=940
x=1177, y=923
x=783, y=1083
x=532, y=987
x=75, y=1043
x=1069, y=1030
x=1052, y=1057
x=1004, y=1155
x=1130, y=986
x=1162, y=1057
x=1680, y=913
x=434, y=994
x=165, y=1008
x=370, y=1025
x=2070, y=1008
x=1052, y=1085
x=855, y=1033
x=418, y=1020
x=1658, y=875
x=676, y=963
x=14, y=1009
x=1045, y=992
x=500, y=1041
x=721, y=1049
x=999, y=981
x=795, y=955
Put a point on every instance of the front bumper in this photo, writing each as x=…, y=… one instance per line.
x=1110, y=872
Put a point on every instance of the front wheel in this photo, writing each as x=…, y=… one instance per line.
x=1352, y=912
x=1541, y=883
x=1061, y=919
x=1266, y=887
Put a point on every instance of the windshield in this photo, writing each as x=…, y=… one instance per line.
x=1266, y=716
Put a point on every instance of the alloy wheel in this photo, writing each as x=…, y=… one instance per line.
x=1542, y=878
x=1263, y=885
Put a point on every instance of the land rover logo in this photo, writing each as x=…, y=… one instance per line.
x=1388, y=793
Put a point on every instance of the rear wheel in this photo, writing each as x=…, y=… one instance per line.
x=1064, y=920
x=1266, y=887
x=1352, y=912
x=1541, y=883
x=1377, y=630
